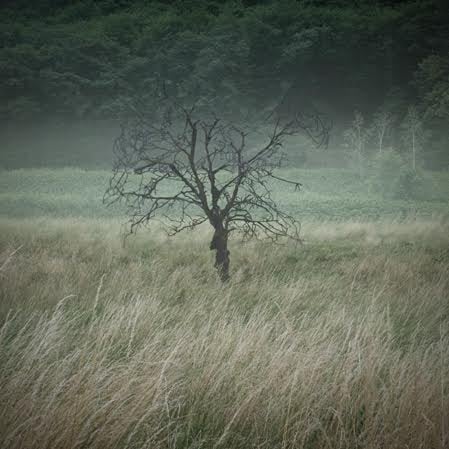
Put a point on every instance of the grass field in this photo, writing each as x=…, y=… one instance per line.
x=327, y=194
x=339, y=343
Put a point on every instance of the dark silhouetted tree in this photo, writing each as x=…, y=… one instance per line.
x=188, y=167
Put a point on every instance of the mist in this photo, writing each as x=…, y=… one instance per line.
x=224, y=224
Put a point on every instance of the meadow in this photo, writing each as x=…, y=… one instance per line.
x=342, y=342
x=326, y=194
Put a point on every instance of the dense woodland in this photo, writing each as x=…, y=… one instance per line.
x=68, y=61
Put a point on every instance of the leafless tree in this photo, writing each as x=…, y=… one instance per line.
x=356, y=137
x=413, y=132
x=189, y=168
x=381, y=123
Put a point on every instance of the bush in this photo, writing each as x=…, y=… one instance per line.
x=392, y=178
x=384, y=173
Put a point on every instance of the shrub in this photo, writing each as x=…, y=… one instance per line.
x=392, y=178
x=384, y=171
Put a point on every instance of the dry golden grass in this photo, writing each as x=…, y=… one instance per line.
x=340, y=343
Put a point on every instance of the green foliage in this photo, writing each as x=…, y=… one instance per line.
x=393, y=178
x=83, y=51
x=414, y=184
x=432, y=78
x=86, y=59
x=385, y=169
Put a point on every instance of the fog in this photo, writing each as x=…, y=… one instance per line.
x=224, y=224
x=86, y=144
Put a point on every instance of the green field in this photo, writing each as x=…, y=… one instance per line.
x=327, y=194
x=342, y=342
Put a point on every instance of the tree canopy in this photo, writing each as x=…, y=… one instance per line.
x=82, y=59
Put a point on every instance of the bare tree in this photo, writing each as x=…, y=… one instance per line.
x=356, y=137
x=189, y=169
x=413, y=133
x=381, y=123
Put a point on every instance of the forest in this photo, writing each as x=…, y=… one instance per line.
x=65, y=61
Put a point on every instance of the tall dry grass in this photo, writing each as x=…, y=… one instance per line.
x=341, y=343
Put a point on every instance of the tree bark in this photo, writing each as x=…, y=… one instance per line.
x=219, y=244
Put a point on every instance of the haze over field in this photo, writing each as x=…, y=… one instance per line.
x=302, y=147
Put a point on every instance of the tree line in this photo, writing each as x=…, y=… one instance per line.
x=86, y=59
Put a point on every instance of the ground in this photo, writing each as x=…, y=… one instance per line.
x=342, y=342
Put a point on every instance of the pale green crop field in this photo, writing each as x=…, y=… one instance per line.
x=327, y=194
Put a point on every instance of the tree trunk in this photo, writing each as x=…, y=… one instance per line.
x=359, y=156
x=219, y=244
